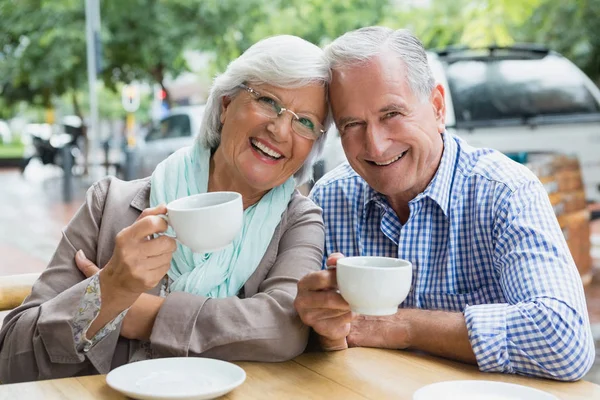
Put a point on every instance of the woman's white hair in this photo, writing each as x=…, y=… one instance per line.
x=285, y=61
x=364, y=44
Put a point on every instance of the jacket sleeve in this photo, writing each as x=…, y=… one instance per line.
x=37, y=339
x=543, y=328
x=264, y=327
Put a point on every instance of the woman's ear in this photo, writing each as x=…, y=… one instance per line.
x=225, y=101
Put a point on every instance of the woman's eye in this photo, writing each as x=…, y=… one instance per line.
x=307, y=123
x=267, y=100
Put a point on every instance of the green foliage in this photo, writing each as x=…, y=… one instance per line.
x=570, y=28
x=42, y=46
x=11, y=150
x=473, y=23
x=43, y=49
x=144, y=39
x=318, y=21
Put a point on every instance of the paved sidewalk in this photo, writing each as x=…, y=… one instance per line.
x=32, y=215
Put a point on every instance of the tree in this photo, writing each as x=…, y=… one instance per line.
x=570, y=28
x=145, y=39
x=318, y=21
x=42, y=48
x=473, y=23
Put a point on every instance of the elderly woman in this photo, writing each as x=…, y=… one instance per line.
x=263, y=128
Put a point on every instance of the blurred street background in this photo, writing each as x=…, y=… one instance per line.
x=90, y=88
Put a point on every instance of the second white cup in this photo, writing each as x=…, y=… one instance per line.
x=374, y=285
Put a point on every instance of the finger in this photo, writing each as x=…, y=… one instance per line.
x=334, y=328
x=320, y=280
x=325, y=299
x=87, y=267
x=159, y=209
x=147, y=226
x=333, y=258
x=158, y=262
x=159, y=246
x=333, y=345
x=318, y=316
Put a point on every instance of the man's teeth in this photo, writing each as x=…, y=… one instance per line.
x=266, y=150
x=388, y=162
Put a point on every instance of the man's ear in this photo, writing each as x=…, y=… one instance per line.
x=225, y=101
x=438, y=103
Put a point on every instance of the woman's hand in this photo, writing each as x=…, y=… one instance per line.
x=139, y=321
x=139, y=263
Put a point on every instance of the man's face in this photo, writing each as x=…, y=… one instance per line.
x=391, y=137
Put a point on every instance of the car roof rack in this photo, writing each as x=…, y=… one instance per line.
x=520, y=48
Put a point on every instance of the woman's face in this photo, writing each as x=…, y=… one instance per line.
x=264, y=152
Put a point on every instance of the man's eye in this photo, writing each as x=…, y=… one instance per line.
x=351, y=125
x=391, y=114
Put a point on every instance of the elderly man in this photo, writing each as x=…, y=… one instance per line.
x=493, y=280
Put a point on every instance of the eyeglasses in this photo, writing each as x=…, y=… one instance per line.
x=306, y=126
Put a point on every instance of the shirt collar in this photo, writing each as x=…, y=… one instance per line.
x=141, y=200
x=439, y=188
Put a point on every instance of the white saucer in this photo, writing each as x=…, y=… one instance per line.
x=179, y=378
x=480, y=390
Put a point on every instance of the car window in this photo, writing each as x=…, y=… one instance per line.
x=173, y=126
x=178, y=126
x=502, y=89
x=158, y=131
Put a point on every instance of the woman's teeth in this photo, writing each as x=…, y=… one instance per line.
x=269, y=152
x=388, y=162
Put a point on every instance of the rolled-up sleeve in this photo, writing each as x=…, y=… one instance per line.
x=543, y=329
x=264, y=327
x=37, y=340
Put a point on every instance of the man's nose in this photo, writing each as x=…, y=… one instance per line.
x=375, y=141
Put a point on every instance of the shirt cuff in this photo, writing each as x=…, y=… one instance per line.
x=486, y=325
x=86, y=314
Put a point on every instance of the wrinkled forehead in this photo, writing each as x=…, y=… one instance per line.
x=368, y=85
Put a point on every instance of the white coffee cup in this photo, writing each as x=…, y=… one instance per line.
x=374, y=285
x=206, y=222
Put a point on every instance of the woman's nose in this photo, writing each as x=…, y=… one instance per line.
x=281, y=127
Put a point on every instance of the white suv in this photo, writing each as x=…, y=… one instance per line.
x=516, y=99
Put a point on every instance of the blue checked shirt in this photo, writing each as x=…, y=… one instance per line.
x=483, y=240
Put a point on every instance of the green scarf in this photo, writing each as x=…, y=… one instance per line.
x=222, y=273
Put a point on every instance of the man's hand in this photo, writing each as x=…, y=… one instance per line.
x=385, y=332
x=321, y=307
x=440, y=333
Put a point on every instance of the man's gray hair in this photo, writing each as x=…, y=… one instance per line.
x=364, y=44
x=284, y=61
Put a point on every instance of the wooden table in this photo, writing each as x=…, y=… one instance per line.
x=350, y=374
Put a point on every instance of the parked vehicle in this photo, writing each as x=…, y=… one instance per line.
x=48, y=144
x=516, y=99
x=173, y=132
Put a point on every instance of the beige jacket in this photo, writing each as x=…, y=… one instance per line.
x=36, y=341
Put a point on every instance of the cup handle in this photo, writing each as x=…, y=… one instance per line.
x=166, y=218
